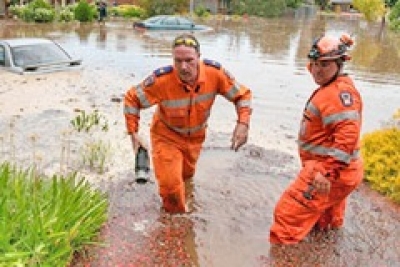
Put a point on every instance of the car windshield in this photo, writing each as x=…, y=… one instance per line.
x=38, y=54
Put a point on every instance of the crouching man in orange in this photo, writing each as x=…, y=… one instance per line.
x=184, y=94
x=328, y=145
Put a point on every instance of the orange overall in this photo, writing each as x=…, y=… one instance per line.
x=179, y=125
x=328, y=143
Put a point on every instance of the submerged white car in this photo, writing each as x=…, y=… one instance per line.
x=35, y=55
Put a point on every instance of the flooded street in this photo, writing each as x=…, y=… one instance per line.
x=232, y=195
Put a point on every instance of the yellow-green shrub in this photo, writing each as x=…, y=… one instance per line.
x=128, y=11
x=381, y=154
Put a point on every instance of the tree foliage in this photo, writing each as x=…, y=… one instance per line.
x=391, y=3
x=266, y=8
x=394, y=17
x=164, y=7
x=371, y=9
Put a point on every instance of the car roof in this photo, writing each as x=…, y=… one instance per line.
x=26, y=41
x=159, y=17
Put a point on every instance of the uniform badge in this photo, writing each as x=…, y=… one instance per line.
x=229, y=75
x=163, y=70
x=149, y=81
x=213, y=63
x=346, y=99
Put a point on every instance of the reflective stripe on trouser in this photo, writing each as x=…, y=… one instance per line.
x=174, y=161
x=295, y=216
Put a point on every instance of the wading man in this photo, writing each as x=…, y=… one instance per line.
x=184, y=94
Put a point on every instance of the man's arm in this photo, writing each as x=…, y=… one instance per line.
x=241, y=96
x=142, y=96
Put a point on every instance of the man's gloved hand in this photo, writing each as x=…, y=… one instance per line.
x=321, y=184
x=239, y=137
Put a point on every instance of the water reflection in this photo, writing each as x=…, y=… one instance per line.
x=283, y=40
x=84, y=31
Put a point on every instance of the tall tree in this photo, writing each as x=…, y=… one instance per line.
x=371, y=9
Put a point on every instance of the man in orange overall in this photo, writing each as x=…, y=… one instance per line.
x=329, y=143
x=184, y=94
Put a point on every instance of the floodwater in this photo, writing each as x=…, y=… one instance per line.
x=232, y=195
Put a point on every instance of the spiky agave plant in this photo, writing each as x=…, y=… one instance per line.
x=44, y=220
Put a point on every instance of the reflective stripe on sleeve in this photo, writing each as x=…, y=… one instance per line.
x=243, y=103
x=313, y=109
x=346, y=115
x=333, y=152
x=131, y=110
x=142, y=97
x=230, y=95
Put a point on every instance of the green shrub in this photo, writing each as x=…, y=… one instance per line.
x=164, y=7
x=71, y=7
x=40, y=4
x=86, y=121
x=128, y=11
x=114, y=11
x=84, y=12
x=372, y=10
x=28, y=14
x=267, y=8
x=381, y=154
x=35, y=11
x=16, y=10
x=44, y=220
x=394, y=17
x=43, y=15
x=66, y=15
x=132, y=11
x=201, y=11
x=95, y=152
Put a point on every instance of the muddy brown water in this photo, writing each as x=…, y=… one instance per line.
x=232, y=194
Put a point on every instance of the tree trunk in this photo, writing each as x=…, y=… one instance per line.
x=382, y=28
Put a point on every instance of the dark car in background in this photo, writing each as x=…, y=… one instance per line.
x=169, y=22
x=35, y=55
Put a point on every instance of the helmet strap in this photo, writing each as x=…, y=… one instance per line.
x=339, y=64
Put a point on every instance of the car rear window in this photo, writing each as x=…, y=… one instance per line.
x=183, y=21
x=38, y=54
